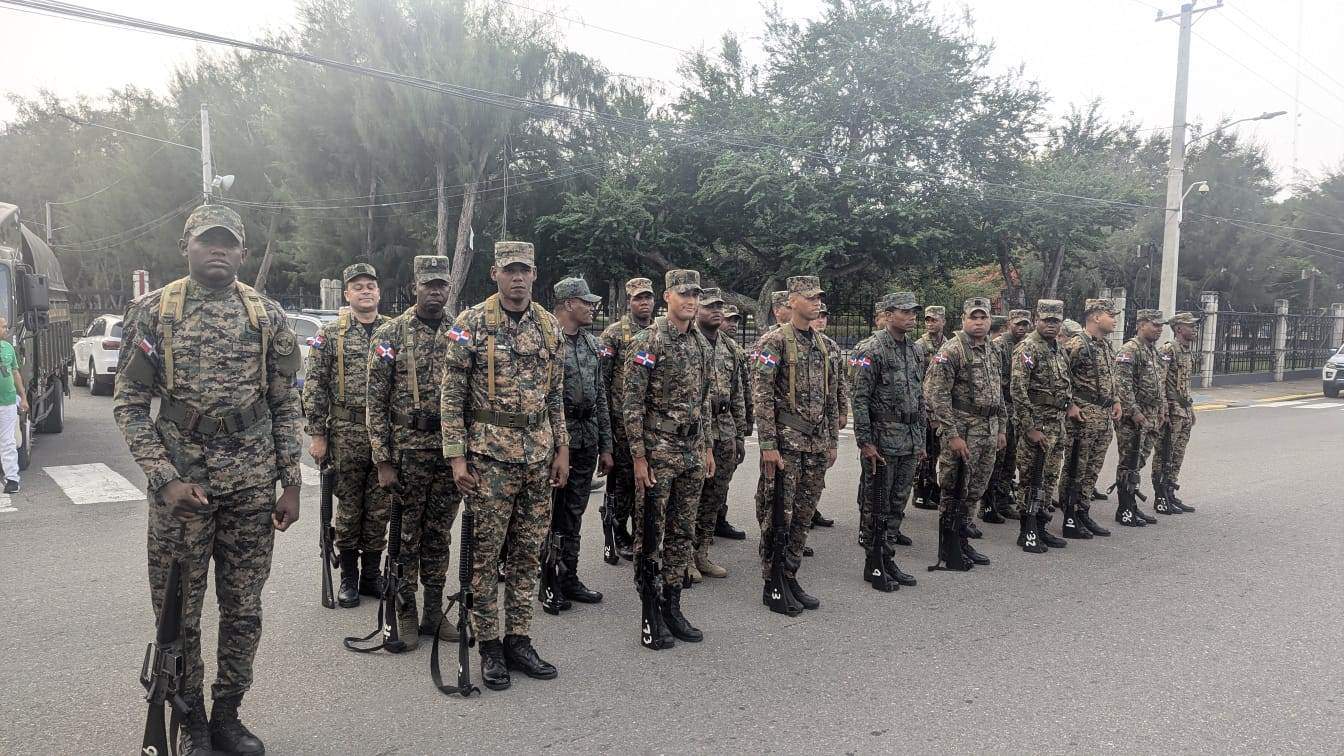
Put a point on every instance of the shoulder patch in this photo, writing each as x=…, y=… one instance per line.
x=1124, y=357
x=317, y=341
x=606, y=351
x=459, y=334
x=767, y=359
x=285, y=341
x=385, y=352
x=645, y=358
x=1027, y=360
x=940, y=358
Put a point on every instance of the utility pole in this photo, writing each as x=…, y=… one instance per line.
x=1171, y=235
x=207, y=170
x=51, y=235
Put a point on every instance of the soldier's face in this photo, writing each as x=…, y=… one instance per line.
x=1048, y=328
x=362, y=294
x=641, y=305
x=1184, y=332
x=729, y=325
x=902, y=320
x=933, y=324
x=782, y=313
x=1149, y=330
x=581, y=311
x=710, y=316
x=214, y=256
x=976, y=325
x=514, y=280
x=430, y=297
x=1106, y=322
x=1019, y=328
x=820, y=323
x=681, y=306
x=807, y=308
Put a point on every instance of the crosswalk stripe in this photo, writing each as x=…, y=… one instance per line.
x=93, y=484
x=1291, y=403
x=6, y=505
x=311, y=477
x=1323, y=405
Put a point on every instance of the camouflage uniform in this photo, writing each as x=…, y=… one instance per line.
x=1178, y=363
x=1042, y=394
x=926, y=346
x=334, y=389
x=964, y=397
x=223, y=363
x=1005, y=459
x=403, y=419
x=728, y=426
x=668, y=420
x=889, y=414
x=509, y=429
x=1092, y=370
x=796, y=393
x=615, y=353
x=1138, y=382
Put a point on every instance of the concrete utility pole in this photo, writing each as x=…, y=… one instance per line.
x=207, y=170
x=51, y=235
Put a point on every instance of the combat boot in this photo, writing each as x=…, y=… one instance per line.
x=724, y=529
x=371, y=574
x=894, y=572
x=987, y=511
x=227, y=733
x=193, y=737
x=1027, y=536
x=1085, y=517
x=1004, y=503
x=1098, y=495
x=520, y=655
x=433, y=615
x=408, y=626
x=969, y=529
x=1125, y=512
x=1161, y=504
x=875, y=573
x=806, y=599
x=670, y=605
x=1048, y=538
x=706, y=566
x=693, y=575
x=494, y=670
x=1147, y=518
x=821, y=521
x=348, y=595
x=1174, y=499
x=950, y=554
x=625, y=544
x=1073, y=524
x=573, y=587
x=902, y=539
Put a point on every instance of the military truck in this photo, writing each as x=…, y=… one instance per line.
x=36, y=304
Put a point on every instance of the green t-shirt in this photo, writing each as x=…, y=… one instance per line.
x=9, y=362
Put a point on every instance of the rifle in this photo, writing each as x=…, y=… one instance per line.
x=951, y=556
x=162, y=669
x=1073, y=492
x=465, y=599
x=779, y=597
x=391, y=598
x=553, y=599
x=1161, y=463
x=609, y=554
x=874, y=570
x=326, y=535
x=926, y=493
x=653, y=633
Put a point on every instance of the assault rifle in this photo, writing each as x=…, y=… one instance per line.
x=653, y=631
x=391, y=598
x=779, y=597
x=951, y=556
x=465, y=600
x=161, y=671
x=874, y=570
x=1073, y=494
x=553, y=599
x=326, y=534
x=1161, y=483
x=609, y=554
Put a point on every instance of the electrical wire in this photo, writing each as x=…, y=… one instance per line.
x=149, y=157
x=1287, y=46
x=1324, y=88
x=1260, y=76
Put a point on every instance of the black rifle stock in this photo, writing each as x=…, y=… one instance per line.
x=951, y=555
x=609, y=554
x=552, y=575
x=465, y=599
x=1073, y=493
x=778, y=593
x=161, y=671
x=653, y=632
x=391, y=598
x=327, y=534
x=875, y=571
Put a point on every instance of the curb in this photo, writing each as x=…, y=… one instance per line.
x=1285, y=398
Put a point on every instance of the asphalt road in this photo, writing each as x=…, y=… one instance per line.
x=1216, y=632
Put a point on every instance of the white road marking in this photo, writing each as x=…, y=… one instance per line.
x=6, y=505
x=1323, y=405
x=93, y=484
x=1290, y=403
x=311, y=477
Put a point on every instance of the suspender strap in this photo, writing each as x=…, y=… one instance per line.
x=408, y=347
x=342, y=323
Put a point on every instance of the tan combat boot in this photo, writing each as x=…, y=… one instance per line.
x=693, y=573
x=408, y=627
x=705, y=566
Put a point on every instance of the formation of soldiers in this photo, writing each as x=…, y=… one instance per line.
x=508, y=411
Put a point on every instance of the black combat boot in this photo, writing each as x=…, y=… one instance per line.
x=1048, y=538
x=1126, y=513
x=902, y=539
x=1004, y=503
x=227, y=733
x=1161, y=504
x=625, y=544
x=1174, y=499
x=1085, y=517
x=1098, y=495
x=676, y=621
x=987, y=511
x=807, y=551
x=724, y=529
x=821, y=521
x=950, y=554
x=894, y=571
x=574, y=587
x=1147, y=518
x=969, y=529
x=519, y=655
x=1073, y=524
x=348, y=595
x=1027, y=536
x=806, y=599
x=494, y=670
x=371, y=574
x=193, y=737
x=875, y=573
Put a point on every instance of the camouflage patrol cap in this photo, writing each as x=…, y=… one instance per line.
x=574, y=288
x=1099, y=305
x=730, y=311
x=206, y=217
x=637, y=286
x=779, y=299
x=711, y=296
x=1071, y=327
x=1150, y=316
x=1019, y=316
x=682, y=281
x=431, y=268
x=509, y=252
x=900, y=300
x=935, y=311
x=808, y=286
x=975, y=304
x=1183, y=318
x=357, y=270
x=1050, y=309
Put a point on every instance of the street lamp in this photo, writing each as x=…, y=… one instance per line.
x=1202, y=186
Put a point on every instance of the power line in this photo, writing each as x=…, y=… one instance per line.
x=151, y=156
x=131, y=234
x=1258, y=75
x=1287, y=46
x=617, y=32
x=1289, y=63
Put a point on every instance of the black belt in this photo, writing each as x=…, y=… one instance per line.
x=419, y=421
x=348, y=414
x=975, y=409
x=790, y=420
x=902, y=418
x=1046, y=399
x=668, y=425
x=578, y=413
x=720, y=407
x=519, y=420
x=1091, y=398
x=201, y=424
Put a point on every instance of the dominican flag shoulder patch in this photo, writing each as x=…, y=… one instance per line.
x=385, y=352
x=940, y=358
x=645, y=359
x=459, y=334
x=606, y=351
x=147, y=347
x=316, y=342
x=767, y=359
x=1124, y=357
x=862, y=362
x=1027, y=360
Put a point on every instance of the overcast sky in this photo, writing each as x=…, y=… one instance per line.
x=1078, y=51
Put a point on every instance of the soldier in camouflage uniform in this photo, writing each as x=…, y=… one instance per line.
x=838, y=369
x=731, y=318
x=1143, y=402
x=999, y=503
x=964, y=399
x=889, y=423
x=505, y=437
x=796, y=393
x=668, y=420
x=1178, y=361
x=405, y=371
x=589, y=424
x=926, y=477
x=1092, y=373
x=222, y=360
x=334, y=388
x=615, y=354
x=728, y=428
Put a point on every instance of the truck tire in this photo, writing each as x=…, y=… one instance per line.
x=54, y=422
x=78, y=379
x=1331, y=390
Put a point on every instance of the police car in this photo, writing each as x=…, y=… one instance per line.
x=1332, y=375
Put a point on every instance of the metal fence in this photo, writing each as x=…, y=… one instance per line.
x=1244, y=343
x=1309, y=341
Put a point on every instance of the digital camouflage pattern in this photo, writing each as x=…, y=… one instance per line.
x=927, y=345
x=587, y=416
x=1178, y=369
x=803, y=478
x=1092, y=371
x=1042, y=393
x=1139, y=386
x=1005, y=459
x=361, y=508
x=964, y=398
x=429, y=503
x=615, y=353
x=727, y=392
x=897, y=475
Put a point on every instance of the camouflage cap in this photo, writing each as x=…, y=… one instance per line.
x=574, y=288
x=935, y=311
x=900, y=300
x=682, y=281
x=975, y=304
x=730, y=311
x=808, y=286
x=779, y=299
x=510, y=252
x=711, y=296
x=357, y=270
x=1099, y=305
x=1071, y=327
x=638, y=286
x=1150, y=316
x=206, y=217
x=1019, y=316
x=822, y=309
x=431, y=268
x=1183, y=318
x=1050, y=309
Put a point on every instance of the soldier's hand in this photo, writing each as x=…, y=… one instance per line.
x=832, y=454
x=185, y=498
x=1116, y=412
x=1001, y=442
x=771, y=462
x=286, y=510
x=643, y=475
x=709, y=463
x=1138, y=419
x=1036, y=437
x=957, y=445
x=463, y=477
x=922, y=453
x=741, y=448
x=869, y=452
x=604, y=463
x=387, y=475
x=1075, y=413
x=560, y=467
x=317, y=449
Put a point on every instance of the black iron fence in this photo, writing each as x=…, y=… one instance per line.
x=1244, y=342
x=1310, y=341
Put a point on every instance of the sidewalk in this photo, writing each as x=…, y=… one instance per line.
x=1220, y=397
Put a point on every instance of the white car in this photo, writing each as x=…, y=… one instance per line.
x=96, y=354
x=1332, y=375
x=306, y=324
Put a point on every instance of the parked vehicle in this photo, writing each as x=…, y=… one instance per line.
x=36, y=304
x=1332, y=375
x=96, y=351
x=306, y=323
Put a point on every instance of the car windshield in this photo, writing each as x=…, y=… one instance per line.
x=116, y=331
